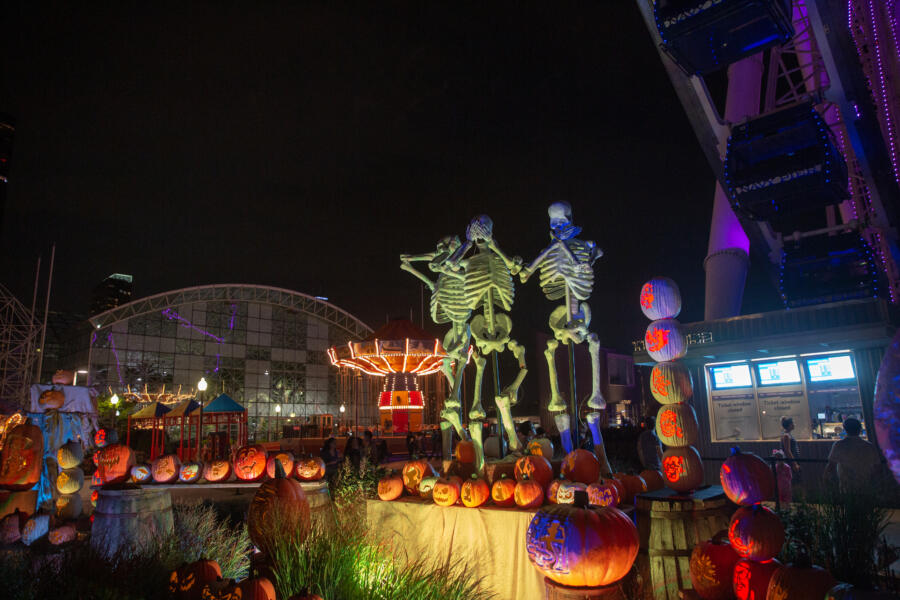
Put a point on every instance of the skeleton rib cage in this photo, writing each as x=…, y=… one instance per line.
x=486, y=272
x=557, y=270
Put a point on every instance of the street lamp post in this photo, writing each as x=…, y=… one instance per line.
x=201, y=387
x=277, y=416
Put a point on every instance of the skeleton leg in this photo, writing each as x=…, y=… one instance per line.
x=596, y=400
x=563, y=424
x=450, y=414
x=446, y=439
x=477, y=412
x=593, y=420
x=556, y=402
x=509, y=396
x=476, y=428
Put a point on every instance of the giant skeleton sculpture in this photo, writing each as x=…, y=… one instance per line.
x=566, y=272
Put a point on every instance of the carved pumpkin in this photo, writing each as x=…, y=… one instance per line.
x=676, y=425
x=35, y=528
x=62, y=534
x=70, y=481
x=800, y=580
x=746, y=478
x=603, y=493
x=582, y=547
x=70, y=455
x=632, y=485
x=390, y=487
x=665, y=340
x=11, y=527
x=21, y=457
x=140, y=473
x=426, y=487
x=446, y=491
x=653, y=479
x=217, y=471
x=63, y=377
x=104, y=437
x=621, y=489
x=670, y=383
x=682, y=468
x=755, y=532
x=540, y=447
x=566, y=492
x=187, y=581
x=751, y=578
x=413, y=472
x=305, y=594
x=287, y=461
x=221, y=589
x=712, y=568
x=537, y=468
x=68, y=507
x=52, y=399
x=553, y=488
x=528, y=493
x=256, y=588
x=114, y=463
x=465, y=452
x=310, y=469
x=279, y=504
x=96, y=479
x=503, y=491
x=474, y=492
x=165, y=469
x=189, y=472
x=250, y=462
x=581, y=465
x=660, y=299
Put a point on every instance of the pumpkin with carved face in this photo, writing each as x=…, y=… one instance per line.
x=311, y=468
x=755, y=532
x=68, y=507
x=21, y=457
x=187, y=581
x=70, y=481
x=446, y=490
x=529, y=493
x=553, y=488
x=751, y=578
x=682, y=468
x=677, y=426
x=250, y=462
x=566, y=492
x=217, y=471
x=104, y=437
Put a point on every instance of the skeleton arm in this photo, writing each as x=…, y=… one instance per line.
x=513, y=264
x=407, y=259
x=528, y=271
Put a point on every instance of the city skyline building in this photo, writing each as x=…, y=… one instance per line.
x=115, y=290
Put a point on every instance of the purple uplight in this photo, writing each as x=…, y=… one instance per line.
x=231, y=321
x=174, y=316
x=112, y=345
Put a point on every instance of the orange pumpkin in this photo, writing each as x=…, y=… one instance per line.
x=746, y=478
x=221, y=589
x=279, y=505
x=256, y=588
x=755, y=532
x=581, y=547
x=528, y=493
x=751, y=578
x=305, y=594
x=503, y=491
x=140, y=473
x=52, y=399
x=414, y=471
x=474, y=492
x=653, y=479
x=287, y=461
x=676, y=425
x=682, y=468
x=186, y=582
x=250, y=462
x=217, y=471
x=165, y=469
x=566, y=492
x=537, y=468
x=553, y=488
x=115, y=462
x=670, y=383
x=390, y=487
x=632, y=485
x=311, y=468
x=446, y=491
x=603, y=493
x=190, y=472
x=22, y=457
x=465, y=452
x=800, y=580
x=581, y=465
x=712, y=568
x=63, y=377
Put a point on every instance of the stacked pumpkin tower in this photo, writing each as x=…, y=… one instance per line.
x=670, y=384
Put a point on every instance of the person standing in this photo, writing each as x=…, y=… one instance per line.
x=648, y=447
x=330, y=457
x=853, y=461
x=789, y=445
x=784, y=476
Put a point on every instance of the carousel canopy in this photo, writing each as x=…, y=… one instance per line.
x=154, y=410
x=184, y=408
x=398, y=347
x=223, y=404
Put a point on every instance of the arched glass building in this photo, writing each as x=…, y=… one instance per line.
x=263, y=346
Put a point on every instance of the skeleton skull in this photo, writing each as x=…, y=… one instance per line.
x=480, y=229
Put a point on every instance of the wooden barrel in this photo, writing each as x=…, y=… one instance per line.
x=318, y=497
x=670, y=525
x=555, y=591
x=127, y=520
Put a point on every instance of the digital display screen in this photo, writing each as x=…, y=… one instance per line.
x=830, y=368
x=778, y=372
x=730, y=376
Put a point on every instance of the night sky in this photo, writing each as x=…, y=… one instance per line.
x=307, y=145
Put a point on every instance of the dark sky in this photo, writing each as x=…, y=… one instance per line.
x=306, y=145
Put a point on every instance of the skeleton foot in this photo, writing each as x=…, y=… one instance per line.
x=556, y=402
x=475, y=430
x=593, y=420
x=503, y=407
x=562, y=424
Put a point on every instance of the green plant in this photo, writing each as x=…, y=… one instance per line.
x=353, y=485
x=199, y=532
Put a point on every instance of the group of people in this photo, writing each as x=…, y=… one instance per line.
x=355, y=450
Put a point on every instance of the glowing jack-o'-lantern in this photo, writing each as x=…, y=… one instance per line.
x=665, y=341
x=670, y=383
x=755, y=532
x=414, y=471
x=712, y=567
x=250, y=462
x=189, y=472
x=114, y=463
x=70, y=481
x=311, y=468
x=541, y=447
x=553, y=488
x=186, y=582
x=746, y=478
x=287, y=461
x=529, y=493
x=603, y=493
x=21, y=457
x=165, y=469
x=566, y=492
x=751, y=578
x=217, y=471
x=537, y=468
x=660, y=299
x=69, y=455
x=582, y=547
x=676, y=425
x=140, y=473
x=390, y=487
x=446, y=491
x=582, y=466
x=426, y=487
x=503, y=491
x=104, y=437
x=682, y=468
x=474, y=492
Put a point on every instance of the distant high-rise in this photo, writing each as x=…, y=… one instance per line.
x=7, y=129
x=113, y=291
